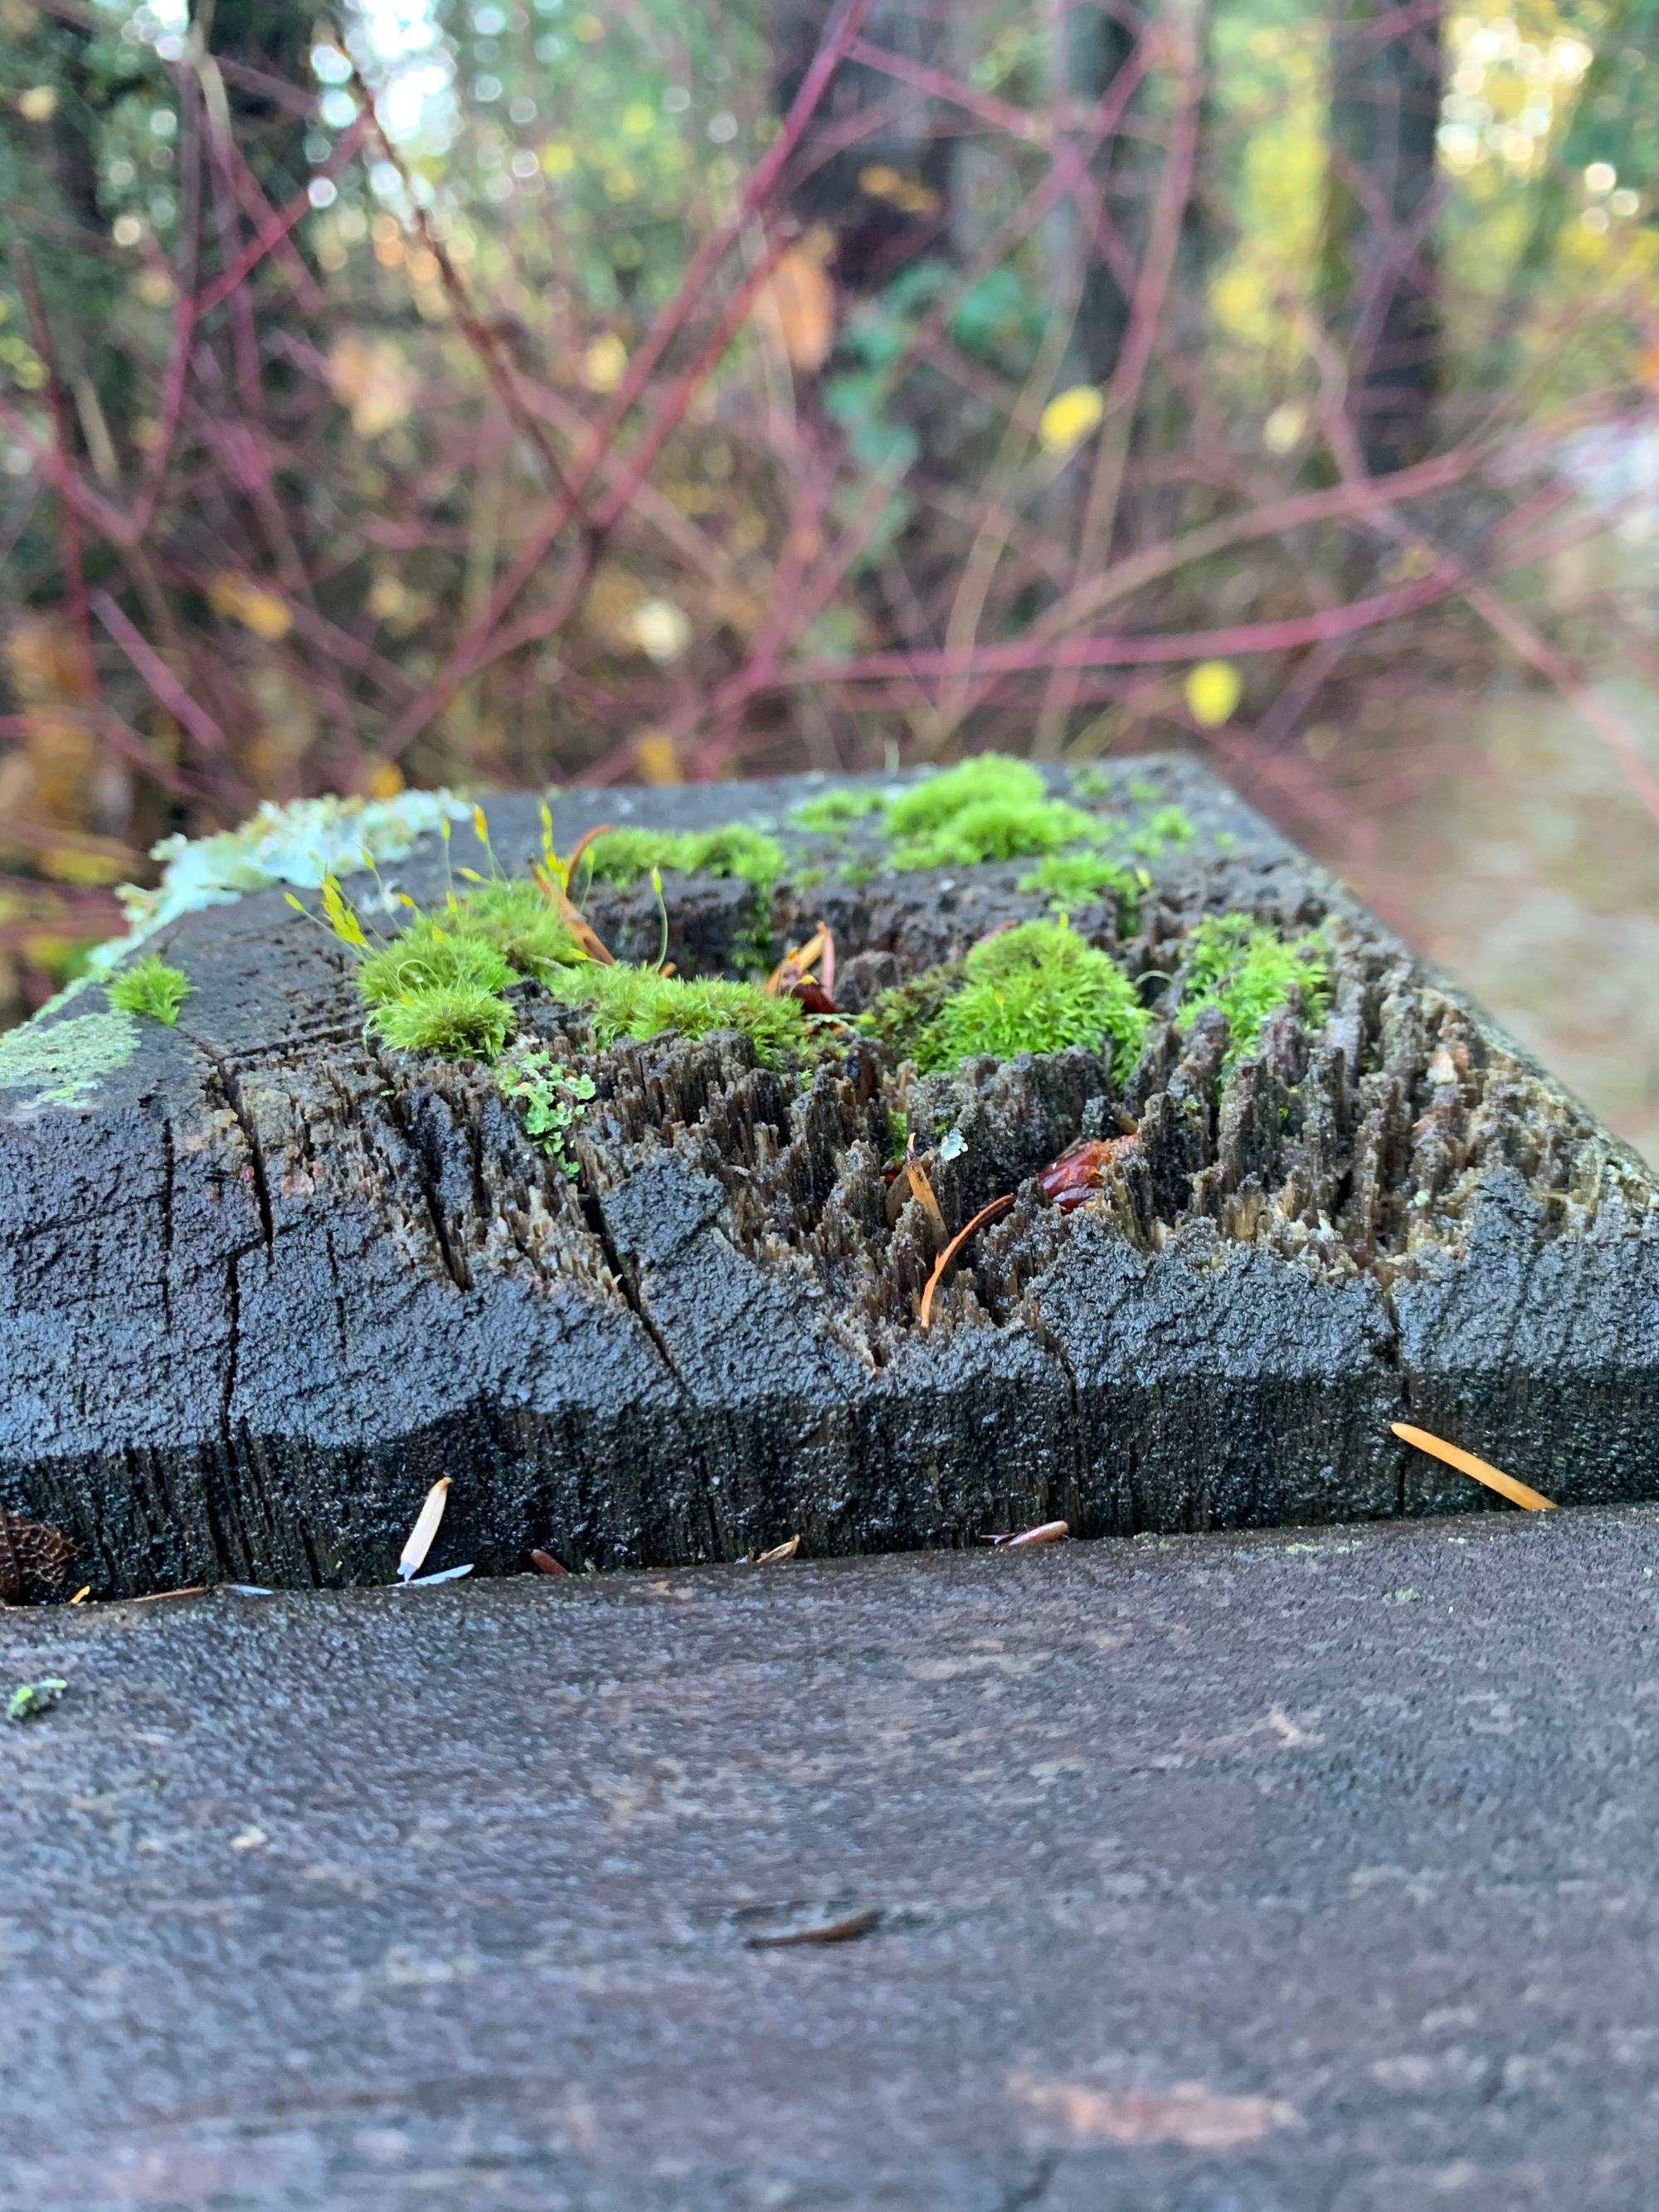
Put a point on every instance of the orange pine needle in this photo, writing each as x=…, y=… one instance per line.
x=1534, y=1501
x=985, y=1213
x=600, y=829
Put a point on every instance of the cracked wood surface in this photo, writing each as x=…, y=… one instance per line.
x=269, y=1283
x=1280, y=1874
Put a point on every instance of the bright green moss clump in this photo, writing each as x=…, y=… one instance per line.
x=990, y=808
x=513, y=915
x=621, y=856
x=1041, y=988
x=432, y=955
x=1248, y=970
x=150, y=986
x=626, y=1001
x=459, y=1020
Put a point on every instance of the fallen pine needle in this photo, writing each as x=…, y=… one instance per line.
x=158, y=1598
x=1466, y=1463
x=81, y=1595
x=844, y=1931
x=1046, y=1532
x=780, y=1552
x=413, y=1557
x=545, y=1564
x=985, y=1213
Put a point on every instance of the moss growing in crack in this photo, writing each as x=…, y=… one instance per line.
x=734, y=848
x=459, y=1020
x=1037, y=988
x=1249, y=970
x=513, y=915
x=1040, y=988
x=150, y=987
x=432, y=956
x=60, y=1061
x=625, y=1001
x=1072, y=880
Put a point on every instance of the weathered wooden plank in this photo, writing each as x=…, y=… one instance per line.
x=261, y=1282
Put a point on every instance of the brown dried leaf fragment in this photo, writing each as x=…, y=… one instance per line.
x=780, y=1552
x=922, y=1191
x=545, y=1564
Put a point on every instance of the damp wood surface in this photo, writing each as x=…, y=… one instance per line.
x=265, y=1282
x=1295, y=1872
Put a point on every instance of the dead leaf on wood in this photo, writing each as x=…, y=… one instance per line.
x=1494, y=1478
x=780, y=1552
x=545, y=1564
x=413, y=1557
x=1187, y=2114
x=922, y=1191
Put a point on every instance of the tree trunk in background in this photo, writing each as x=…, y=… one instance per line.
x=273, y=37
x=1380, y=274
x=1089, y=47
x=883, y=195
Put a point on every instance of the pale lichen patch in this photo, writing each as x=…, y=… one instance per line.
x=61, y=1062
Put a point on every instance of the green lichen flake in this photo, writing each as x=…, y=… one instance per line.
x=1249, y=970
x=60, y=1062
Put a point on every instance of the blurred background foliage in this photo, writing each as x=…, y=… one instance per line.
x=408, y=391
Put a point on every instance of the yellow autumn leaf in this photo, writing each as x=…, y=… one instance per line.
x=386, y=780
x=1214, y=689
x=795, y=309
x=604, y=363
x=657, y=760
x=374, y=381
x=239, y=598
x=1069, y=417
